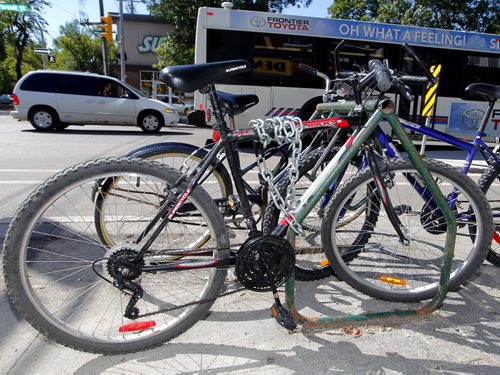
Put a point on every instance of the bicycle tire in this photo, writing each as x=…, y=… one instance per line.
x=492, y=191
x=383, y=268
x=311, y=262
x=51, y=245
x=173, y=154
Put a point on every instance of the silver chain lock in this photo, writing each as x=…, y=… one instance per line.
x=282, y=130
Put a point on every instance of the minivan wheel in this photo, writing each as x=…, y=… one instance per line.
x=43, y=118
x=151, y=122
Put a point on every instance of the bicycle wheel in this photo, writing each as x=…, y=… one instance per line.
x=217, y=183
x=489, y=182
x=310, y=260
x=386, y=269
x=53, y=255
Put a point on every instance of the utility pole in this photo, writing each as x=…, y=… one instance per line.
x=123, y=76
x=44, y=57
x=104, y=44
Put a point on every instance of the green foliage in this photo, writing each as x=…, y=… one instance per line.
x=466, y=15
x=178, y=47
x=19, y=34
x=79, y=49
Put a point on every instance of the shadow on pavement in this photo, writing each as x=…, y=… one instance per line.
x=83, y=131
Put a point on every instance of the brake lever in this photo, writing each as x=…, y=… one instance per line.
x=404, y=89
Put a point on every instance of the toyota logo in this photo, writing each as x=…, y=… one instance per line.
x=472, y=118
x=258, y=21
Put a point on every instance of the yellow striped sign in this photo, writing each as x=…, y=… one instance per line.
x=431, y=95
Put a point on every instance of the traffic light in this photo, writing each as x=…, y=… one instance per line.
x=107, y=28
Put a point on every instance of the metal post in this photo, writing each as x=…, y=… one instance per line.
x=44, y=57
x=104, y=44
x=123, y=75
x=424, y=138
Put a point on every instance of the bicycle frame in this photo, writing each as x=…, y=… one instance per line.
x=472, y=148
x=334, y=169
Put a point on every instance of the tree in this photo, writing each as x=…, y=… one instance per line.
x=22, y=30
x=79, y=48
x=178, y=46
x=466, y=15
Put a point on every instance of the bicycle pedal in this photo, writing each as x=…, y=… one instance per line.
x=284, y=317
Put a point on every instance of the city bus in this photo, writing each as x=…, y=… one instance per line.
x=275, y=45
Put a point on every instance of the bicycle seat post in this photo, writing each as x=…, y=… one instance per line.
x=487, y=115
x=220, y=123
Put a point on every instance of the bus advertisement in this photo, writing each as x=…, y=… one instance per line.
x=275, y=45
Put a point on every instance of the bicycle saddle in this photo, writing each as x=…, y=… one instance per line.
x=235, y=104
x=189, y=78
x=490, y=92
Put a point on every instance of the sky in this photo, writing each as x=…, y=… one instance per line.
x=63, y=11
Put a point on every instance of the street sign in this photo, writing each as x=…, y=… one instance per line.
x=42, y=51
x=52, y=59
x=13, y=7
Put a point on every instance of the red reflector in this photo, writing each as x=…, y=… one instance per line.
x=216, y=136
x=496, y=237
x=15, y=99
x=210, y=13
x=137, y=326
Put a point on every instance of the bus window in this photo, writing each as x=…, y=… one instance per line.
x=280, y=56
x=355, y=55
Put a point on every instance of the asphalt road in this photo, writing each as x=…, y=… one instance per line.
x=239, y=335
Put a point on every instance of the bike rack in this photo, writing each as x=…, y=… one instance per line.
x=384, y=109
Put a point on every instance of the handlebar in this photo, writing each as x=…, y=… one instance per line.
x=382, y=75
x=420, y=63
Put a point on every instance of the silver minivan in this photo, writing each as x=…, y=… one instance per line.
x=56, y=99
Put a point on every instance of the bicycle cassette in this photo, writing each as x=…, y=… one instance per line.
x=262, y=256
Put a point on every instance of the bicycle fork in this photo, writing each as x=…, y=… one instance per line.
x=383, y=194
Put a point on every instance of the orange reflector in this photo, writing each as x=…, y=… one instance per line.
x=393, y=280
x=273, y=309
x=324, y=262
x=137, y=326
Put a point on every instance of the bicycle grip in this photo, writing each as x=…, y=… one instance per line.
x=308, y=69
x=413, y=79
x=345, y=73
x=382, y=75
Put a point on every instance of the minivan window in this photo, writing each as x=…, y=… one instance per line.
x=75, y=84
x=114, y=89
x=38, y=82
x=72, y=84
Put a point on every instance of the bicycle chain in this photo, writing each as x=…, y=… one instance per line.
x=191, y=303
x=287, y=129
x=224, y=294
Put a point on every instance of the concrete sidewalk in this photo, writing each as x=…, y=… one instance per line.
x=240, y=336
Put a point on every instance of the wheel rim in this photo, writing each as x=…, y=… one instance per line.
x=150, y=122
x=383, y=263
x=43, y=119
x=57, y=254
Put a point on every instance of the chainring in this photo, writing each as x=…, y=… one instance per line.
x=260, y=255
